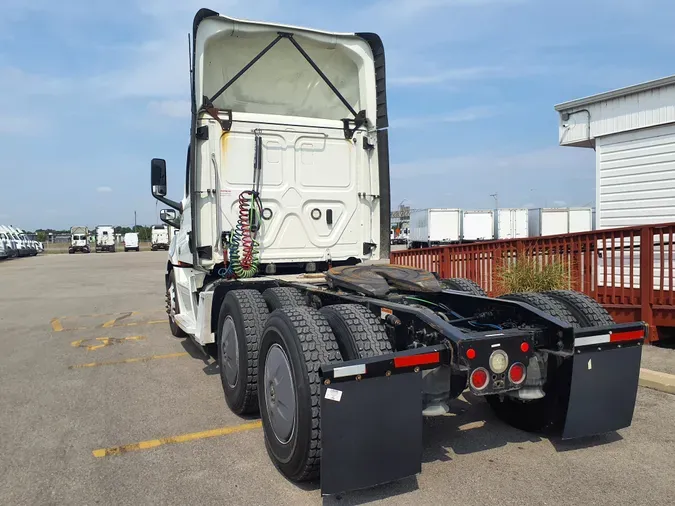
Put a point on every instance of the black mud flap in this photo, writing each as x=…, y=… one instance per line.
x=603, y=390
x=371, y=432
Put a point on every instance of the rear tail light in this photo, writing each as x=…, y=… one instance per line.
x=517, y=373
x=525, y=347
x=470, y=353
x=479, y=378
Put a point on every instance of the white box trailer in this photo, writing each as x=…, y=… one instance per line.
x=478, y=225
x=430, y=227
x=560, y=220
x=511, y=223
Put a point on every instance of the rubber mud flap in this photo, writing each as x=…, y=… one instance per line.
x=603, y=390
x=371, y=432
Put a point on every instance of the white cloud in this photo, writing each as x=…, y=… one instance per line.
x=104, y=189
x=171, y=108
x=469, y=74
x=559, y=203
x=459, y=116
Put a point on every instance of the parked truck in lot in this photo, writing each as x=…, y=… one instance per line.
x=478, y=225
x=434, y=227
x=287, y=202
x=79, y=240
x=105, y=239
x=159, y=235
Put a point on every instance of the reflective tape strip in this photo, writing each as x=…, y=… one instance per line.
x=585, y=341
x=349, y=370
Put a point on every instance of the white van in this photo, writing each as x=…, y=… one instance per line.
x=131, y=241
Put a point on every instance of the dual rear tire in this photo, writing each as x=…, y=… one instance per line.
x=548, y=413
x=270, y=361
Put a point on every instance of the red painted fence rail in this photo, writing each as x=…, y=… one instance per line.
x=628, y=270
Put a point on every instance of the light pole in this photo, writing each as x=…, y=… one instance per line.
x=496, y=197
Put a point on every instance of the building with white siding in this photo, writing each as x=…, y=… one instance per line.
x=632, y=131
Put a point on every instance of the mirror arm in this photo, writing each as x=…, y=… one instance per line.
x=171, y=203
x=173, y=223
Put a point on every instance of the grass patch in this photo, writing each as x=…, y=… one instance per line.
x=528, y=274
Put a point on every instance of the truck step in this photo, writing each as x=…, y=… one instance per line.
x=187, y=323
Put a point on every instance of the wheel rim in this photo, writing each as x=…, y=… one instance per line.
x=172, y=301
x=230, y=352
x=279, y=393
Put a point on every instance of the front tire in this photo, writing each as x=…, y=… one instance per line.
x=240, y=326
x=295, y=342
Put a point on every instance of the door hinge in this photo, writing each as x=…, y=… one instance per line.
x=358, y=122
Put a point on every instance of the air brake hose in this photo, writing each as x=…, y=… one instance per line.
x=244, y=248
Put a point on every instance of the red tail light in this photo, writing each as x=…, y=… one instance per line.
x=517, y=373
x=524, y=347
x=470, y=353
x=479, y=378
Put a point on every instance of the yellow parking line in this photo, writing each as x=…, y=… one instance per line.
x=109, y=323
x=132, y=324
x=56, y=325
x=184, y=438
x=129, y=360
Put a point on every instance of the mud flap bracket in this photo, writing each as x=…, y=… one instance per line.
x=603, y=389
x=371, y=431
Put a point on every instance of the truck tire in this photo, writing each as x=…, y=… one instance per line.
x=282, y=297
x=546, y=414
x=546, y=304
x=295, y=342
x=240, y=326
x=464, y=285
x=358, y=332
x=172, y=304
x=588, y=311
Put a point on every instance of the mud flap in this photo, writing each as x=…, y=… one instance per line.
x=371, y=432
x=603, y=389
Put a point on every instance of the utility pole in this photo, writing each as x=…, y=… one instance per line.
x=134, y=221
x=496, y=197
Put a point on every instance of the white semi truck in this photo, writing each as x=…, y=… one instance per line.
x=79, y=240
x=286, y=205
x=105, y=239
x=159, y=235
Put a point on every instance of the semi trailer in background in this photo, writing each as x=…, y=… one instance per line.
x=478, y=225
x=433, y=227
x=511, y=223
x=559, y=220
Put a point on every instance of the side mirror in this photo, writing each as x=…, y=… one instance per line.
x=169, y=217
x=158, y=177
x=158, y=182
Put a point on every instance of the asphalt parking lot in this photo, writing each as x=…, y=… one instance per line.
x=101, y=405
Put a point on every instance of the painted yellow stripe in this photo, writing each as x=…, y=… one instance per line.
x=56, y=325
x=109, y=323
x=183, y=438
x=129, y=360
x=133, y=324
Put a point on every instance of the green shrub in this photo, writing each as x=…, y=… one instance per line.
x=528, y=274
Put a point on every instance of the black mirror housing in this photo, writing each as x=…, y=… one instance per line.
x=158, y=182
x=158, y=177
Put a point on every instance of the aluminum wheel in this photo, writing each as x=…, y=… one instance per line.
x=279, y=393
x=228, y=342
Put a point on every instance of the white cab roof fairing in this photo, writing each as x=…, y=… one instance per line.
x=282, y=82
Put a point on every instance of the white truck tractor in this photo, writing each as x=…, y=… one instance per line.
x=105, y=239
x=10, y=243
x=79, y=240
x=23, y=245
x=159, y=235
x=285, y=210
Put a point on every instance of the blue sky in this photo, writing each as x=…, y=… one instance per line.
x=91, y=91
